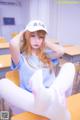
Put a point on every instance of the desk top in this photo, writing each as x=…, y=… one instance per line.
x=72, y=50
x=4, y=45
x=5, y=61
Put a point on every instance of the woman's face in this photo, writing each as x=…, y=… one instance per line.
x=36, y=40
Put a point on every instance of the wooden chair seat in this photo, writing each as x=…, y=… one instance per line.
x=28, y=116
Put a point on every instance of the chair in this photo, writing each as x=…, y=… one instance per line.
x=14, y=34
x=74, y=106
x=28, y=116
x=14, y=76
x=2, y=40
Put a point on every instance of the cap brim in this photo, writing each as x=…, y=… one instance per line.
x=35, y=29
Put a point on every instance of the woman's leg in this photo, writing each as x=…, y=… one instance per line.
x=15, y=95
x=26, y=101
x=64, y=80
x=41, y=94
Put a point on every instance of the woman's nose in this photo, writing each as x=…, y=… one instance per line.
x=37, y=39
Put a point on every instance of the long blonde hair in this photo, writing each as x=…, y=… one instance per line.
x=27, y=49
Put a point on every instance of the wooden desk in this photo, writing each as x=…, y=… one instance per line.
x=4, y=48
x=72, y=50
x=5, y=63
x=72, y=53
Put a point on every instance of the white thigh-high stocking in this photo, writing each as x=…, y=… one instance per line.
x=15, y=95
x=52, y=101
x=65, y=78
x=62, y=83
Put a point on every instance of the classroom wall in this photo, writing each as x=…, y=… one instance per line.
x=16, y=11
x=68, y=22
x=40, y=10
x=61, y=18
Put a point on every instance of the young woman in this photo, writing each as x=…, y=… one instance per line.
x=28, y=54
x=40, y=91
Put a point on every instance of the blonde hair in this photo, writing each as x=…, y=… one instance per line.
x=27, y=49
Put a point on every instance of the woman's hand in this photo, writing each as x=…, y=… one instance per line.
x=58, y=49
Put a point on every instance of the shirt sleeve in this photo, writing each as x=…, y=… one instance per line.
x=17, y=66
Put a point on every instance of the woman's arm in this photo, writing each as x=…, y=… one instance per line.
x=58, y=49
x=15, y=47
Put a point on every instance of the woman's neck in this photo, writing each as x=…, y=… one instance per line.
x=34, y=52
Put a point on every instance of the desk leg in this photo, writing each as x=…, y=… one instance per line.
x=76, y=84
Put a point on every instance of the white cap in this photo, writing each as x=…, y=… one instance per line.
x=35, y=25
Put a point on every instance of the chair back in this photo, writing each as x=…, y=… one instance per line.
x=2, y=40
x=14, y=34
x=13, y=76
